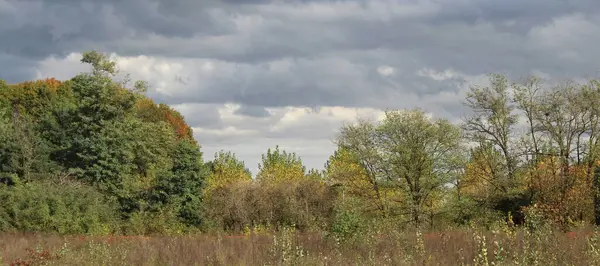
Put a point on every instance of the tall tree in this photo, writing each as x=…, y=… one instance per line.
x=590, y=99
x=357, y=144
x=408, y=149
x=344, y=168
x=561, y=120
x=526, y=97
x=493, y=119
x=184, y=185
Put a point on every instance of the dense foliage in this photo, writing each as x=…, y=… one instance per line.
x=70, y=148
x=94, y=155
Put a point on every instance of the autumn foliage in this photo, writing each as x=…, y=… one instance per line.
x=152, y=112
x=95, y=157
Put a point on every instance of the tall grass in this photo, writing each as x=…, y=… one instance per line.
x=288, y=247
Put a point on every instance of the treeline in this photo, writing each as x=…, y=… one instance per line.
x=94, y=155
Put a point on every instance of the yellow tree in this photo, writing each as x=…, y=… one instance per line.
x=227, y=169
x=343, y=168
x=483, y=177
x=279, y=165
x=226, y=191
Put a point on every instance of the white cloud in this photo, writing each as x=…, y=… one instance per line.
x=385, y=71
x=436, y=75
x=60, y=68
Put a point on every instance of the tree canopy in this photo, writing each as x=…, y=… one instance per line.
x=95, y=155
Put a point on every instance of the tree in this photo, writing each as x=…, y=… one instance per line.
x=184, y=185
x=493, y=120
x=279, y=165
x=357, y=145
x=568, y=118
x=23, y=151
x=344, y=168
x=34, y=99
x=560, y=118
x=483, y=178
x=104, y=138
x=148, y=111
x=409, y=150
x=228, y=187
x=419, y=151
x=226, y=169
x=101, y=64
x=91, y=135
x=591, y=97
x=138, y=154
x=526, y=97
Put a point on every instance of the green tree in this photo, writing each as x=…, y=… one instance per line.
x=138, y=154
x=23, y=151
x=409, y=151
x=359, y=160
x=184, y=185
x=101, y=64
x=279, y=165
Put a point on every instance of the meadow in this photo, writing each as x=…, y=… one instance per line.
x=505, y=246
x=94, y=172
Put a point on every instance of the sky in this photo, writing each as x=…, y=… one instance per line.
x=249, y=75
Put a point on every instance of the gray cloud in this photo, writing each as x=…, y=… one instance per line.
x=15, y=69
x=313, y=53
x=204, y=115
x=253, y=111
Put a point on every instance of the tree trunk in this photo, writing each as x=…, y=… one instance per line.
x=595, y=187
x=416, y=217
x=416, y=210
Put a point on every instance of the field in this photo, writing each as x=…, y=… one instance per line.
x=458, y=247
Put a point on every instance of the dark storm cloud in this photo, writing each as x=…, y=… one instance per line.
x=78, y=24
x=335, y=47
x=14, y=69
x=252, y=111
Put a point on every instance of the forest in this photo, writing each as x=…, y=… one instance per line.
x=94, y=172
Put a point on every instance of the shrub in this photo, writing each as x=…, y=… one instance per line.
x=66, y=208
x=304, y=204
x=347, y=222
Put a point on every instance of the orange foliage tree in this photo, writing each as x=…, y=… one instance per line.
x=562, y=198
x=149, y=111
x=34, y=97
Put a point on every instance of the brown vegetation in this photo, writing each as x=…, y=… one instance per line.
x=456, y=247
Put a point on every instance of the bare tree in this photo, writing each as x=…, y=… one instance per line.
x=493, y=120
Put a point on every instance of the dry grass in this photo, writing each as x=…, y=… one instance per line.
x=460, y=247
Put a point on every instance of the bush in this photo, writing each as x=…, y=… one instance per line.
x=163, y=221
x=67, y=208
x=304, y=204
x=348, y=222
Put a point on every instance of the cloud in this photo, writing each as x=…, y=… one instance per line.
x=248, y=75
x=254, y=111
